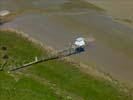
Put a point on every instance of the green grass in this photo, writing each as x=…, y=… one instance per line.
x=64, y=77
x=24, y=51
x=24, y=89
x=71, y=79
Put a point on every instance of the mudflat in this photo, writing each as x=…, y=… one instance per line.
x=121, y=10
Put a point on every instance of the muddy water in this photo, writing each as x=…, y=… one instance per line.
x=60, y=29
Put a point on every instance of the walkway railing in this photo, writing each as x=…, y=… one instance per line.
x=59, y=54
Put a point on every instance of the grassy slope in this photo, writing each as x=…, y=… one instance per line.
x=24, y=89
x=63, y=76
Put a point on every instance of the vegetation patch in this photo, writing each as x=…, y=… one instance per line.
x=80, y=4
x=129, y=21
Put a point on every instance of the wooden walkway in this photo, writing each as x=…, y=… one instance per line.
x=60, y=54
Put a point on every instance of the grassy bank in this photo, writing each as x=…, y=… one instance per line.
x=52, y=80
